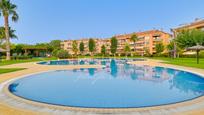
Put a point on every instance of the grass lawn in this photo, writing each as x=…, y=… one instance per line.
x=24, y=61
x=189, y=62
x=8, y=70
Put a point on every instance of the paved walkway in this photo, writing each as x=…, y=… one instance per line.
x=195, y=107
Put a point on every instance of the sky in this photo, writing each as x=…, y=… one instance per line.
x=45, y=20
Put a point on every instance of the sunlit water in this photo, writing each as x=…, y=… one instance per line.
x=117, y=85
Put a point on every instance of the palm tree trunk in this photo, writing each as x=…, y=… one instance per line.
x=6, y=24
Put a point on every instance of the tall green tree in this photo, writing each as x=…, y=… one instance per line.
x=55, y=44
x=159, y=48
x=103, y=50
x=8, y=9
x=171, y=47
x=134, y=39
x=81, y=47
x=75, y=47
x=127, y=49
x=19, y=49
x=147, y=51
x=114, y=45
x=92, y=46
x=188, y=38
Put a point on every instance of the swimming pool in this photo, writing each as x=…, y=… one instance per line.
x=117, y=85
x=85, y=61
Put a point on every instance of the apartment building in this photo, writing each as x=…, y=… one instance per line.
x=197, y=24
x=147, y=41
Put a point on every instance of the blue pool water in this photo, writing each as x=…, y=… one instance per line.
x=83, y=61
x=117, y=85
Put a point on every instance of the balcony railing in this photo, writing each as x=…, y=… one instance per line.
x=157, y=39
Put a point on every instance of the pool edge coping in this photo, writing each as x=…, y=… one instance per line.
x=100, y=110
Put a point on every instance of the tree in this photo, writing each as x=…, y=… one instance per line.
x=62, y=54
x=92, y=46
x=159, y=48
x=3, y=35
x=134, y=39
x=171, y=47
x=127, y=49
x=103, y=50
x=189, y=38
x=7, y=8
x=75, y=47
x=11, y=33
x=147, y=52
x=114, y=45
x=19, y=49
x=41, y=45
x=55, y=44
x=81, y=47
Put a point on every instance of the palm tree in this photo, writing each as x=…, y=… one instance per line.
x=7, y=9
x=3, y=35
x=11, y=33
x=134, y=39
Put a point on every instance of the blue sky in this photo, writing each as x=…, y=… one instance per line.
x=45, y=20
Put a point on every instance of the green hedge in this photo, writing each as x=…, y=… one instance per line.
x=201, y=55
x=22, y=57
x=18, y=57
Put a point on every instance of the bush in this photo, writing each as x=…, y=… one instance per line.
x=22, y=57
x=135, y=54
x=3, y=57
x=62, y=54
x=87, y=55
x=98, y=54
x=202, y=54
x=54, y=52
x=148, y=55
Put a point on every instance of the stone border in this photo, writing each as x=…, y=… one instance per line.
x=41, y=107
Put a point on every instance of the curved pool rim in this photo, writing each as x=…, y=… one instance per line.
x=98, y=109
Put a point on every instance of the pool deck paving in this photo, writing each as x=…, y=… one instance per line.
x=13, y=105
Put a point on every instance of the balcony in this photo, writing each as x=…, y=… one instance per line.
x=157, y=39
x=140, y=47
